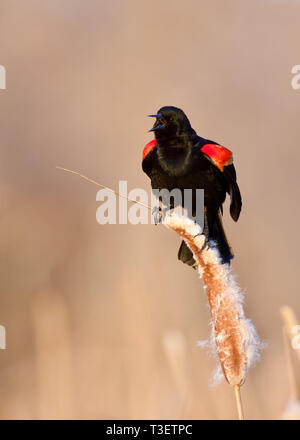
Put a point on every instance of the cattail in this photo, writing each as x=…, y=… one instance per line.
x=235, y=337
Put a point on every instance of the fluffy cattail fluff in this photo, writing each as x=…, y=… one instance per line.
x=236, y=341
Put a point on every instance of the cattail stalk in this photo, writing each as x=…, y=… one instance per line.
x=238, y=399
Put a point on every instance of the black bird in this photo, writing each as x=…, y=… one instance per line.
x=179, y=158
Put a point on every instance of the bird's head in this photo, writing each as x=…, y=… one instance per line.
x=171, y=122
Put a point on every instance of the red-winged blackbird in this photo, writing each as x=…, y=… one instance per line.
x=179, y=158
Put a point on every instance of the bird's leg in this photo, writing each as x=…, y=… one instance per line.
x=157, y=213
x=205, y=231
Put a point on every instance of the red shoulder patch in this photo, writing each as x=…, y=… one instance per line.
x=149, y=147
x=219, y=155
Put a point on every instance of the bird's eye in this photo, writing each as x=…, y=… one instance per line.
x=171, y=119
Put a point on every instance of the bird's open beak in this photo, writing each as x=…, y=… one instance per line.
x=158, y=115
x=158, y=125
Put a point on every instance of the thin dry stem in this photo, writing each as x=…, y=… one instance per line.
x=103, y=187
x=238, y=399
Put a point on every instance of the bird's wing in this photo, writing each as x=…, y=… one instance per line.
x=148, y=156
x=218, y=155
x=222, y=158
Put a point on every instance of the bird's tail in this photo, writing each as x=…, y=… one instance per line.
x=216, y=237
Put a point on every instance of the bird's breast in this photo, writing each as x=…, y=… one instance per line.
x=175, y=160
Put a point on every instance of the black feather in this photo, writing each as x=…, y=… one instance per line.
x=234, y=191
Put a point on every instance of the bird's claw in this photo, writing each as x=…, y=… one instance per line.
x=205, y=232
x=157, y=215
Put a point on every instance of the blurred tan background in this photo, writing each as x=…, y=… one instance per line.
x=103, y=321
